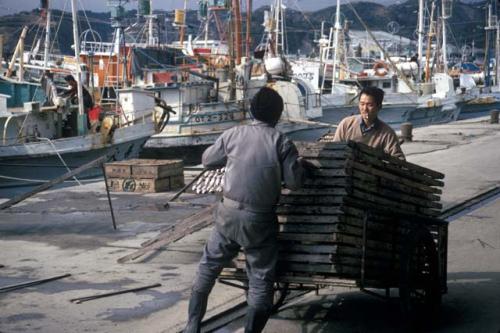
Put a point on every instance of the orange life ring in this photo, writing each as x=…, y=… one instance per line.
x=380, y=68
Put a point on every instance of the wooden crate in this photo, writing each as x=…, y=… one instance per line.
x=144, y=168
x=119, y=169
x=145, y=175
x=157, y=168
x=145, y=185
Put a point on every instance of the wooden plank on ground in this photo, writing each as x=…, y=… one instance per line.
x=183, y=228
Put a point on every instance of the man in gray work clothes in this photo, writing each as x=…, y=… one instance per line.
x=257, y=159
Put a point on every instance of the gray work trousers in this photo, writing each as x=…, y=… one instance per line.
x=256, y=233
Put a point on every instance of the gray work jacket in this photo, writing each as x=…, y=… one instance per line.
x=257, y=158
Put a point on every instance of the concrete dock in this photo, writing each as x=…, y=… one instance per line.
x=69, y=231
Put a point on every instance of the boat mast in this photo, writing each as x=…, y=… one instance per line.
x=183, y=25
x=279, y=34
x=76, y=41
x=19, y=50
x=429, y=41
x=46, y=7
x=207, y=24
x=237, y=30
x=497, y=54
x=491, y=25
x=420, y=37
x=336, y=42
x=248, y=24
x=446, y=14
x=151, y=41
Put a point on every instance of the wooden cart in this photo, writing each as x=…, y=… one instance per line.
x=365, y=220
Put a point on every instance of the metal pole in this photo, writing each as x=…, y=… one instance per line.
x=420, y=37
x=237, y=30
x=76, y=41
x=47, y=38
x=113, y=293
x=124, y=70
x=497, y=55
x=1, y=47
x=249, y=24
x=31, y=283
x=109, y=197
x=445, y=55
x=12, y=63
x=150, y=27
x=166, y=205
x=207, y=25
x=183, y=25
x=336, y=42
x=21, y=58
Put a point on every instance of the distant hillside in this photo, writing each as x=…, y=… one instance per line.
x=466, y=23
x=62, y=29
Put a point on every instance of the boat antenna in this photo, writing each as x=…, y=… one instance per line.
x=117, y=18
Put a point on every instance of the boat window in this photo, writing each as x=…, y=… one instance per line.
x=386, y=84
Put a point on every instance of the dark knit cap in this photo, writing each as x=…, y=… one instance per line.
x=69, y=78
x=267, y=106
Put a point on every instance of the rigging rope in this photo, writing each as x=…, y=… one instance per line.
x=59, y=155
x=58, y=26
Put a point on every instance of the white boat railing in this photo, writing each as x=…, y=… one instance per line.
x=97, y=47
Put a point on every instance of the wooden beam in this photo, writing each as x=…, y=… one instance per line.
x=185, y=227
x=55, y=181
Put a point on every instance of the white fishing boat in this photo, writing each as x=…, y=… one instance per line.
x=40, y=142
x=339, y=79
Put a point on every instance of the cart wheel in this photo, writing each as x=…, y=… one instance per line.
x=419, y=290
x=280, y=293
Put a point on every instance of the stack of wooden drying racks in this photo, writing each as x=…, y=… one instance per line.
x=352, y=219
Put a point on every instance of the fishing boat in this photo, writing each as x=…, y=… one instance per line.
x=40, y=142
x=339, y=78
x=480, y=87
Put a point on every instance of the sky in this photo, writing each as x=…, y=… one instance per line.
x=14, y=6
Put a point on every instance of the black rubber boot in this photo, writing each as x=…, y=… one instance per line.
x=256, y=320
x=197, y=309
